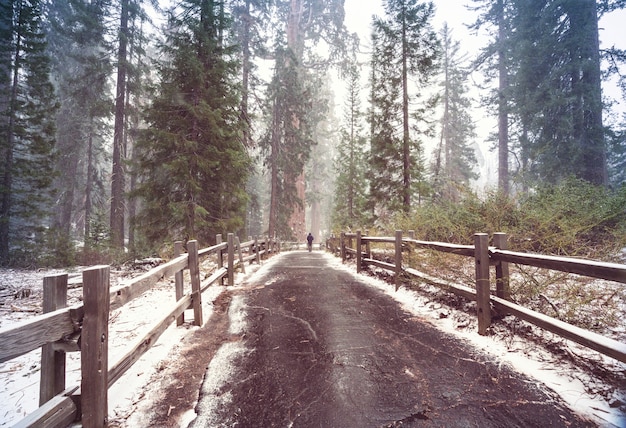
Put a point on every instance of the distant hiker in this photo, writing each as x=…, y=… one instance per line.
x=309, y=240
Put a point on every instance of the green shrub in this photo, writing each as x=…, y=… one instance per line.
x=574, y=218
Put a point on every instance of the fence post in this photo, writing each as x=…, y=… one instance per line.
x=257, y=249
x=342, y=244
x=358, y=251
x=500, y=241
x=398, y=251
x=231, y=259
x=220, y=255
x=241, y=263
x=481, y=254
x=94, y=361
x=52, y=362
x=178, y=281
x=194, y=274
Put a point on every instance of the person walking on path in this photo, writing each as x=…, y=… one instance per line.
x=309, y=240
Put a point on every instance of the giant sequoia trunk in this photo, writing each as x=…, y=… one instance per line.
x=297, y=220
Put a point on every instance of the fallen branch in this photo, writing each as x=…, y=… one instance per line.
x=15, y=308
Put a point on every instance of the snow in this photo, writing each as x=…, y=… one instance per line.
x=130, y=398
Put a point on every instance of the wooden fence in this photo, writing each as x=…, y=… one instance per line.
x=84, y=328
x=483, y=293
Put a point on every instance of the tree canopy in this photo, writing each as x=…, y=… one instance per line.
x=126, y=124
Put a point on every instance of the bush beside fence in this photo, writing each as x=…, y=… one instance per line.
x=490, y=296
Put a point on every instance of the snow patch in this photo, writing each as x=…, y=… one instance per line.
x=214, y=393
x=237, y=316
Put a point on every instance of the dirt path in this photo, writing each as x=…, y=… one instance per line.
x=322, y=349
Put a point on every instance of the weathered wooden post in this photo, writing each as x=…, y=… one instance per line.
x=368, y=246
x=231, y=259
x=194, y=274
x=349, y=237
x=257, y=249
x=342, y=243
x=220, y=255
x=359, y=255
x=240, y=254
x=411, y=249
x=500, y=241
x=179, y=281
x=481, y=255
x=52, y=361
x=398, y=251
x=94, y=346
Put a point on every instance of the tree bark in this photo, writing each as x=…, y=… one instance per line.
x=503, y=118
x=587, y=89
x=7, y=179
x=297, y=220
x=406, y=142
x=117, y=176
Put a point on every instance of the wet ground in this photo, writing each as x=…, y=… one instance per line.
x=321, y=349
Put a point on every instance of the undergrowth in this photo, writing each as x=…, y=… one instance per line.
x=573, y=219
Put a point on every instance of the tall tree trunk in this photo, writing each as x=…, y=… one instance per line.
x=246, y=67
x=351, y=171
x=129, y=144
x=7, y=179
x=587, y=90
x=274, y=188
x=503, y=117
x=406, y=142
x=69, y=166
x=297, y=221
x=117, y=176
x=89, y=186
x=316, y=220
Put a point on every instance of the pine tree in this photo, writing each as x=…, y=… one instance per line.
x=405, y=46
x=454, y=158
x=495, y=61
x=320, y=183
x=81, y=71
x=385, y=157
x=249, y=20
x=415, y=50
x=350, y=164
x=192, y=163
x=118, y=175
x=554, y=86
x=307, y=22
x=287, y=143
x=27, y=134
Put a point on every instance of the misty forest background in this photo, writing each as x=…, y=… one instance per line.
x=127, y=124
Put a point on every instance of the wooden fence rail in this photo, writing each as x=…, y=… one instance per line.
x=486, y=296
x=84, y=328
